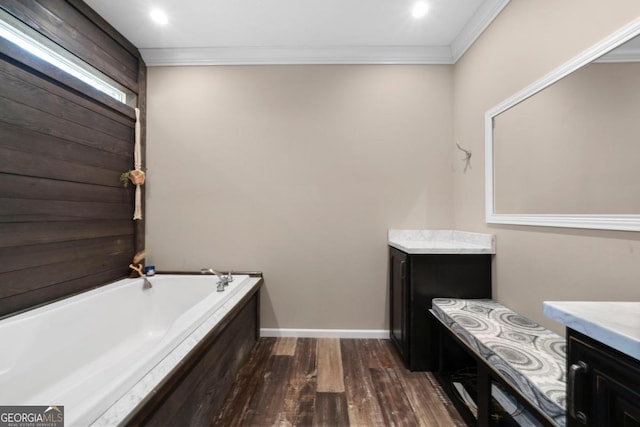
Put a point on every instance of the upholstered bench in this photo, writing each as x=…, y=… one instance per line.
x=515, y=351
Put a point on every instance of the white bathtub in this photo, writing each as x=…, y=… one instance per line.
x=87, y=351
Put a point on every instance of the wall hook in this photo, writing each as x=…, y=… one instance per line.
x=467, y=157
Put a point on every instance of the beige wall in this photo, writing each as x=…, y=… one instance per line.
x=528, y=40
x=298, y=171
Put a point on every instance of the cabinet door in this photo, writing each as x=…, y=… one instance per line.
x=398, y=300
x=604, y=388
x=616, y=405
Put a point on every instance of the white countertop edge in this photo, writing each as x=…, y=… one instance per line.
x=462, y=250
x=603, y=329
x=117, y=412
x=441, y=242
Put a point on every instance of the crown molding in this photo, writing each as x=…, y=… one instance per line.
x=620, y=55
x=253, y=55
x=476, y=26
x=286, y=56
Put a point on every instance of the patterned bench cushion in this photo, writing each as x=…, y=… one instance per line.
x=530, y=357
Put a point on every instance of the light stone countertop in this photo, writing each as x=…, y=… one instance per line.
x=442, y=242
x=616, y=324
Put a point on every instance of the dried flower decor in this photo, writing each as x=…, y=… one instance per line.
x=136, y=176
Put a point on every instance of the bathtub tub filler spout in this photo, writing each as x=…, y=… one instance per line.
x=138, y=268
x=223, y=279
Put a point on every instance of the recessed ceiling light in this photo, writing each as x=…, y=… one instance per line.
x=159, y=17
x=420, y=9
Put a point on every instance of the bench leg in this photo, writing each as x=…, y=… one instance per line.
x=484, y=396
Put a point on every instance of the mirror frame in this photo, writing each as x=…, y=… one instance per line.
x=589, y=221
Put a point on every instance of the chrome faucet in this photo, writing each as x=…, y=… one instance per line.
x=223, y=279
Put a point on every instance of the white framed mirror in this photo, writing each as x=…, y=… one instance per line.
x=565, y=151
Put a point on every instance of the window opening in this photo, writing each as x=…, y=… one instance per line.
x=18, y=33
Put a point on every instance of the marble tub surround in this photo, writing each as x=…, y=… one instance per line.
x=442, y=242
x=613, y=323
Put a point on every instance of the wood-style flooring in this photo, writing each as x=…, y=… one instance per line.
x=333, y=382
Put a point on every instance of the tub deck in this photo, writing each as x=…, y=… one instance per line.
x=93, y=350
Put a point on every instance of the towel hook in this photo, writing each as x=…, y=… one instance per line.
x=467, y=157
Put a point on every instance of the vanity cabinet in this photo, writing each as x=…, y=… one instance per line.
x=603, y=385
x=398, y=300
x=415, y=279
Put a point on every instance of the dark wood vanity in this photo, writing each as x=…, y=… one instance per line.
x=414, y=280
x=603, y=384
x=603, y=361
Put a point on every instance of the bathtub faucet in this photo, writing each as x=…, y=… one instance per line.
x=223, y=279
x=138, y=269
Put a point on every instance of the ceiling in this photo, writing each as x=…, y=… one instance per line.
x=203, y=32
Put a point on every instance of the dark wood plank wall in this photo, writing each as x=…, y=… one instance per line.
x=65, y=219
x=74, y=26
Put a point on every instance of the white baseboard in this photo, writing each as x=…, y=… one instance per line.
x=325, y=333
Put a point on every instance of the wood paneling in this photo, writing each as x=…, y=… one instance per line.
x=25, y=234
x=67, y=26
x=65, y=219
x=34, y=210
x=14, y=54
x=27, y=257
x=41, y=166
x=29, y=280
x=51, y=122
x=16, y=303
x=20, y=82
x=61, y=150
x=27, y=187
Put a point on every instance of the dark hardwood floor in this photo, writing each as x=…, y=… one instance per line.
x=332, y=382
